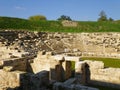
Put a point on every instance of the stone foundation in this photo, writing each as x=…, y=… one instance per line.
x=9, y=79
x=98, y=75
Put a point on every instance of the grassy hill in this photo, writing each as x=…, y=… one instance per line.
x=56, y=26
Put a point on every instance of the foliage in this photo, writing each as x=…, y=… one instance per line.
x=110, y=19
x=37, y=18
x=103, y=16
x=73, y=65
x=14, y=23
x=63, y=17
x=109, y=62
x=56, y=26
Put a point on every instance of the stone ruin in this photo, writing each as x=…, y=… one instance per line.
x=67, y=23
x=54, y=72
x=72, y=44
x=94, y=72
x=43, y=61
x=39, y=73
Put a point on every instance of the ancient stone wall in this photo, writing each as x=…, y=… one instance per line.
x=97, y=74
x=67, y=23
x=41, y=62
x=21, y=64
x=9, y=79
x=89, y=44
x=59, y=68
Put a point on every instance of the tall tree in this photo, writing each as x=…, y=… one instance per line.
x=110, y=19
x=103, y=16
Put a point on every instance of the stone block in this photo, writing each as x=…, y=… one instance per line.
x=60, y=86
x=95, y=64
x=70, y=81
x=67, y=68
x=79, y=66
x=35, y=81
x=10, y=79
x=8, y=68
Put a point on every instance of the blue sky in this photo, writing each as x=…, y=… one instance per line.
x=81, y=10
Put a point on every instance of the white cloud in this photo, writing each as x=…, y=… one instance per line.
x=20, y=8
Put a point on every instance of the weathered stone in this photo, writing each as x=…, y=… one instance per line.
x=71, y=81
x=67, y=65
x=7, y=68
x=69, y=23
x=28, y=44
x=60, y=86
x=10, y=79
x=90, y=44
x=95, y=64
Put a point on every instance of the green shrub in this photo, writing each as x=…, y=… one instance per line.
x=37, y=18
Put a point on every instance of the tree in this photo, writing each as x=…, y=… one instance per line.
x=37, y=18
x=110, y=19
x=64, y=17
x=103, y=16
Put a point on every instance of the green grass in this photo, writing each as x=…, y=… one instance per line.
x=14, y=23
x=56, y=26
x=109, y=62
x=73, y=65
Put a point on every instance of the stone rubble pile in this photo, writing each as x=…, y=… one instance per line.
x=102, y=44
x=13, y=42
x=73, y=44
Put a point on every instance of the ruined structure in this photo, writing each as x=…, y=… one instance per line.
x=67, y=23
x=43, y=61
x=82, y=44
x=37, y=73
x=94, y=72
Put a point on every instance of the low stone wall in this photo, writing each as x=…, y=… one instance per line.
x=106, y=77
x=41, y=62
x=87, y=72
x=47, y=67
x=97, y=74
x=9, y=79
x=21, y=64
x=67, y=23
x=18, y=80
x=59, y=68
